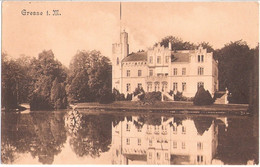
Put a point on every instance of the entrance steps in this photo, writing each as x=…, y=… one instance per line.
x=220, y=97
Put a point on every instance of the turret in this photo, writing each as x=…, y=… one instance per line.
x=124, y=42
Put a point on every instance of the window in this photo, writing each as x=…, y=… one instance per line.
x=139, y=85
x=202, y=58
x=167, y=59
x=183, y=86
x=139, y=73
x=174, y=144
x=199, y=146
x=139, y=129
x=164, y=87
x=200, y=84
x=151, y=59
x=117, y=61
x=150, y=72
x=128, y=87
x=128, y=127
x=127, y=141
x=150, y=142
x=164, y=128
x=183, y=130
x=200, y=71
x=158, y=156
x=183, y=71
x=166, y=156
x=198, y=58
x=175, y=86
x=183, y=145
x=174, y=128
x=175, y=71
x=199, y=158
x=139, y=142
x=149, y=87
x=157, y=86
x=150, y=155
x=128, y=73
x=159, y=59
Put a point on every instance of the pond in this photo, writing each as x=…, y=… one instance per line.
x=75, y=137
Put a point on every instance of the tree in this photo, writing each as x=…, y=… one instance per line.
x=15, y=82
x=45, y=70
x=58, y=95
x=176, y=43
x=235, y=63
x=89, y=75
x=202, y=97
x=207, y=46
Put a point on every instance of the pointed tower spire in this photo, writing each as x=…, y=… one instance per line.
x=120, y=16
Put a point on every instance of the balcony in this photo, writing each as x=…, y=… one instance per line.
x=160, y=78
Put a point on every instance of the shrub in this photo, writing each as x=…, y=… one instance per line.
x=129, y=96
x=138, y=90
x=151, y=97
x=178, y=96
x=202, y=97
x=38, y=102
x=118, y=96
x=106, y=98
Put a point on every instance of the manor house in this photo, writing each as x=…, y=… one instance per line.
x=162, y=69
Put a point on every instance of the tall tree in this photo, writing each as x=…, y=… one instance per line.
x=15, y=82
x=89, y=76
x=235, y=63
x=45, y=69
x=58, y=95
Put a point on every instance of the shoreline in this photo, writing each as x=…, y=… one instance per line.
x=167, y=107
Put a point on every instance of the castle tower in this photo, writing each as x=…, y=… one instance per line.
x=119, y=52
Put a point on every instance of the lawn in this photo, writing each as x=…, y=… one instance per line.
x=168, y=106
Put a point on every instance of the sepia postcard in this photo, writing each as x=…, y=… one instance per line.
x=130, y=83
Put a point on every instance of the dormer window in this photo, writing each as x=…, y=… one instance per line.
x=200, y=58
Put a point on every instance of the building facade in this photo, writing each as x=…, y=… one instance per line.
x=161, y=69
x=164, y=143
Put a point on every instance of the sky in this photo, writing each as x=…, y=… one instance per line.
x=96, y=25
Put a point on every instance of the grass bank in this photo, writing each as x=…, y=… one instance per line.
x=172, y=107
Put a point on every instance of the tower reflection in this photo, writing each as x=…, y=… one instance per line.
x=164, y=140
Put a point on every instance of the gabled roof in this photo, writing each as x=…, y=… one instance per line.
x=180, y=56
x=139, y=56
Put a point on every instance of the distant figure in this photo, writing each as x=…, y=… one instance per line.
x=226, y=96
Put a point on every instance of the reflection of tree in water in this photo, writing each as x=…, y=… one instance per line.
x=8, y=149
x=73, y=122
x=50, y=136
x=41, y=134
x=237, y=145
x=93, y=136
x=202, y=124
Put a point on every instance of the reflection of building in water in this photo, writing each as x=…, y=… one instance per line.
x=166, y=142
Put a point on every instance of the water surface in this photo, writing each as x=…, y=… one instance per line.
x=67, y=137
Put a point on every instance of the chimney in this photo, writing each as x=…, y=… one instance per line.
x=170, y=45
